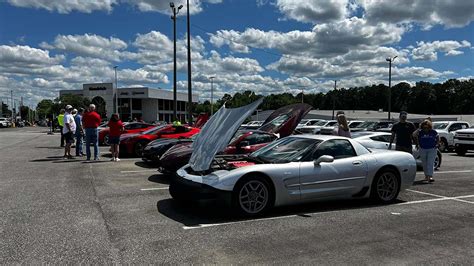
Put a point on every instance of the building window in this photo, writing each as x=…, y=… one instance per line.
x=161, y=104
x=137, y=104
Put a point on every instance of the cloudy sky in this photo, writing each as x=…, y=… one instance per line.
x=268, y=46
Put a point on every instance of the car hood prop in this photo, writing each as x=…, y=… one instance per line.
x=216, y=134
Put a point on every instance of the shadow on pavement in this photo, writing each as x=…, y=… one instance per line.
x=197, y=213
x=421, y=183
x=160, y=179
x=145, y=165
x=52, y=148
x=46, y=160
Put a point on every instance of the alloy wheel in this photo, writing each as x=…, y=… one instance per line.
x=253, y=196
x=387, y=186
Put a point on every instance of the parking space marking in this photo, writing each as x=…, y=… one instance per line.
x=426, y=193
x=154, y=188
x=448, y=172
x=438, y=197
x=199, y=226
x=139, y=171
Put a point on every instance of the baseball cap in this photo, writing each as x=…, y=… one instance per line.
x=68, y=107
x=403, y=113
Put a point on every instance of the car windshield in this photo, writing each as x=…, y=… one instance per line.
x=321, y=123
x=289, y=149
x=332, y=123
x=354, y=124
x=153, y=130
x=304, y=121
x=237, y=135
x=439, y=125
x=366, y=124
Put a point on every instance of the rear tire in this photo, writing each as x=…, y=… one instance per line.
x=438, y=160
x=253, y=196
x=106, y=140
x=461, y=151
x=386, y=186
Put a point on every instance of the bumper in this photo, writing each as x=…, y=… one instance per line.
x=466, y=145
x=183, y=189
x=150, y=155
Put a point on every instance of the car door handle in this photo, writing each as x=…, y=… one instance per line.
x=357, y=162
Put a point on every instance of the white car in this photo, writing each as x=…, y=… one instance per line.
x=446, y=130
x=381, y=140
x=464, y=141
x=330, y=129
x=5, y=122
x=316, y=128
x=307, y=122
x=292, y=170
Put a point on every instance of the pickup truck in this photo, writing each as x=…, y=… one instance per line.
x=464, y=141
x=446, y=130
x=5, y=122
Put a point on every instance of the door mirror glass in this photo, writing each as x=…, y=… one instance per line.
x=323, y=159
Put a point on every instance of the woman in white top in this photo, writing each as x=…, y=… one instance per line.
x=342, y=128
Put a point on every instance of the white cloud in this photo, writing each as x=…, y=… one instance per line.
x=450, y=13
x=314, y=10
x=429, y=50
x=164, y=6
x=66, y=6
x=88, y=45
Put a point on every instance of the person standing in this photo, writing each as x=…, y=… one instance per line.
x=61, y=125
x=342, y=128
x=79, y=132
x=69, y=129
x=91, y=121
x=116, y=129
x=427, y=142
x=402, y=131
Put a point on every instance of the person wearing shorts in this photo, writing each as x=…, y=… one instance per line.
x=116, y=128
x=69, y=130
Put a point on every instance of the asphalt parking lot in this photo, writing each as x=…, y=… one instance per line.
x=72, y=211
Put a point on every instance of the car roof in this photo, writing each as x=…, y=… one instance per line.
x=319, y=137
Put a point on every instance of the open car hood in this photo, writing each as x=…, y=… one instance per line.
x=201, y=120
x=216, y=134
x=284, y=120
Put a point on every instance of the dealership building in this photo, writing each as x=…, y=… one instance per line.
x=146, y=103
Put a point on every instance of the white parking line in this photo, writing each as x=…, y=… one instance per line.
x=448, y=172
x=426, y=193
x=237, y=222
x=139, y=171
x=438, y=197
x=154, y=188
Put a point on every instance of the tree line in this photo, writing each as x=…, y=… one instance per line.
x=450, y=97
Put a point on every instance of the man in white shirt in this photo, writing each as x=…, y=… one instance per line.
x=69, y=130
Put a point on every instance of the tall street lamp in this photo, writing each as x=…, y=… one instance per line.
x=173, y=17
x=116, y=90
x=212, y=94
x=190, y=96
x=334, y=99
x=390, y=60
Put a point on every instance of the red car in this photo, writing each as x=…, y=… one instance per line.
x=130, y=128
x=133, y=144
x=280, y=123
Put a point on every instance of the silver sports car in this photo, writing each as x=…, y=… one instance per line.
x=291, y=170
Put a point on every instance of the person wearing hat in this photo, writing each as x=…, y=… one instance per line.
x=69, y=130
x=79, y=132
x=402, y=132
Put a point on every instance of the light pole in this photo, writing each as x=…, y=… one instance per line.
x=116, y=90
x=390, y=60
x=334, y=99
x=190, y=96
x=302, y=93
x=173, y=17
x=212, y=94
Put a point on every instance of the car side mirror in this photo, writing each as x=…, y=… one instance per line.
x=323, y=159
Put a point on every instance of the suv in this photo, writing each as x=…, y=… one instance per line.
x=464, y=141
x=446, y=130
x=5, y=122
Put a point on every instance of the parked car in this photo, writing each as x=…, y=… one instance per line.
x=5, y=122
x=381, y=140
x=316, y=128
x=307, y=122
x=291, y=170
x=252, y=125
x=281, y=122
x=373, y=125
x=155, y=149
x=130, y=128
x=464, y=141
x=446, y=130
x=328, y=130
x=133, y=144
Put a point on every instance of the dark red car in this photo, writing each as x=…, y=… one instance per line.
x=130, y=128
x=133, y=144
x=280, y=123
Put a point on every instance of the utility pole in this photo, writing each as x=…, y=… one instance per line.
x=212, y=94
x=190, y=95
x=116, y=90
x=11, y=91
x=173, y=17
x=390, y=60
x=334, y=99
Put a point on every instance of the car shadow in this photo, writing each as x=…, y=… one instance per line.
x=199, y=213
x=145, y=165
x=421, y=183
x=160, y=179
x=52, y=148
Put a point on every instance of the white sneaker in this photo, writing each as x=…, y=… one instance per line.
x=117, y=159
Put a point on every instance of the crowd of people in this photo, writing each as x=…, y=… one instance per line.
x=80, y=127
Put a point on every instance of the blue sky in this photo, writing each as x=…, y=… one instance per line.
x=268, y=46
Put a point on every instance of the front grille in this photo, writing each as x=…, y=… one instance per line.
x=461, y=138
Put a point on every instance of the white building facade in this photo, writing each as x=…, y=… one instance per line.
x=144, y=103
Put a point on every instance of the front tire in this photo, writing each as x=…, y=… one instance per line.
x=106, y=140
x=443, y=145
x=253, y=196
x=386, y=186
x=461, y=151
x=138, y=149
